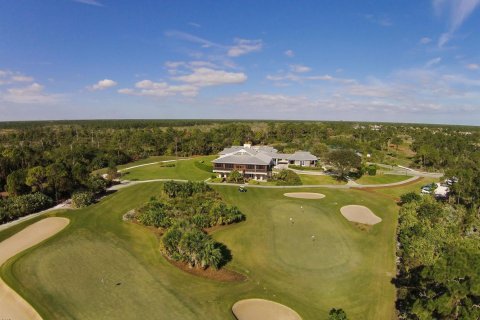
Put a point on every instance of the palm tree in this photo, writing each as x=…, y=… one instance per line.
x=210, y=255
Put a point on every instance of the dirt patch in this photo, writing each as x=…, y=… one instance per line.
x=304, y=195
x=260, y=309
x=360, y=214
x=222, y=274
x=12, y=306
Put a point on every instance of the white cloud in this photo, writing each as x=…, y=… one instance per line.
x=191, y=82
x=244, y=46
x=160, y=89
x=473, y=66
x=192, y=38
x=32, y=94
x=433, y=62
x=10, y=77
x=289, y=53
x=425, y=40
x=298, y=68
x=458, y=12
x=202, y=77
x=90, y=2
x=299, y=78
x=103, y=84
x=193, y=24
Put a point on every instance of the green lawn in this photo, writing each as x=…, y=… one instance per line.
x=75, y=274
x=184, y=169
x=323, y=179
x=136, y=163
x=381, y=179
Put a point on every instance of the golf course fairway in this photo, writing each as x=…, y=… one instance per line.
x=101, y=267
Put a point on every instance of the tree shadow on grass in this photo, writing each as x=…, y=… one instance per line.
x=226, y=254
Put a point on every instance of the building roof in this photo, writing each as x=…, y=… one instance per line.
x=232, y=149
x=259, y=155
x=302, y=156
x=245, y=158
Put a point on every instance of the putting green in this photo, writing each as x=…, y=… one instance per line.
x=312, y=233
x=102, y=267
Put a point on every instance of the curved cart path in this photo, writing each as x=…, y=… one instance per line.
x=12, y=305
x=128, y=183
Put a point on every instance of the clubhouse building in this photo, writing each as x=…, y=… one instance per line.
x=257, y=162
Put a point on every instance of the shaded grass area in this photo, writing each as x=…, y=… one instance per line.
x=319, y=179
x=183, y=169
x=381, y=179
x=101, y=267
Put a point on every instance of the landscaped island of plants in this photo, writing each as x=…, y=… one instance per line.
x=183, y=212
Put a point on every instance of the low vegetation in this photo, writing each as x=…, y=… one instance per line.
x=82, y=199
x=286, y=178
x=183, y=211
x=15, y=207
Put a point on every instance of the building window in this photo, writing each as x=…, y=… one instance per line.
x=250, y=166
x=229, y=165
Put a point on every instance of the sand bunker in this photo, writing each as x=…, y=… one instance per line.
x=12, y=306
x=360, y=214
x=259, y=309
x=304, y=195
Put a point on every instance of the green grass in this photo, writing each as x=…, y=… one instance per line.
x=323, y=179
x=184, y=169
x=344, y=268
x=136, y=163
x=381, y=179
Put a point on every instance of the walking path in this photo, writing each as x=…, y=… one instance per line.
x=127, y=183
x=401, y=170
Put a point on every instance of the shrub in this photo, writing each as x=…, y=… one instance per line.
x=409, y=197
x=154, y=214
x=372, y=170
x=287, y=178
x=26, y=204
x=82, y=199
x=96, y=184
x=235, y=177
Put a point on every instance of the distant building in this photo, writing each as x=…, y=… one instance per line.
x=256, y=162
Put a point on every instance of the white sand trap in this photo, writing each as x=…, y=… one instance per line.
x=259, y=309
x=304, y=195
x=12, y=306
x=360, y=214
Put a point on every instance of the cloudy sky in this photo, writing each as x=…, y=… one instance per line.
x=408, y=61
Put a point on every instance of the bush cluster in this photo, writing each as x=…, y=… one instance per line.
x=287, y=178
x=184, y=210
x=18, y=206
x=82, y=199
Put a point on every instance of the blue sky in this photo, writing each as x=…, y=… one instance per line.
x=408, y=61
